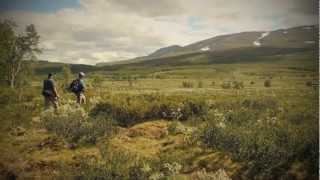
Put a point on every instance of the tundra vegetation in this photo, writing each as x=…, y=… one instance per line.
x=215, y=121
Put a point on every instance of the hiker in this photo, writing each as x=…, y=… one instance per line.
x=78, y=87
x=50, y=92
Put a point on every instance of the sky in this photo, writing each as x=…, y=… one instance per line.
x=92, y=31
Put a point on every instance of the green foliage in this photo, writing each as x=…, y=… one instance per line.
x=176, y=127
x=237, y=85
x=200, y=84
x=73, y=124
x=226, y=85
x=62, y=79
x=204, y=175
x=232, y=84
x=15, y=48
x=267, y=83
x=66, y=77
x=170, y=169
x=131, y=80
x=129, y=110
x=18, y=107
x=187, y=84
x=309, y=83
x=115, y=164
x=97, y=80
x=262, y=134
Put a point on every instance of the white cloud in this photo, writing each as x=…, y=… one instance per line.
x=111, y=30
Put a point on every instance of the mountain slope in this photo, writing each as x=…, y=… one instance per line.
x=297, y=37
x=166, y=51
x=246, y=54
x=281, y=41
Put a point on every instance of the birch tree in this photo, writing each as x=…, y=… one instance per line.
x=16, y=49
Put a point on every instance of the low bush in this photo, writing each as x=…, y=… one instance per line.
x=309, y=83
x=204, y=175
x=187, y=84
x=114, y=165
x=237, y=85
x=176, y=127
x=129, y=110
x=267, y=138
x=226, y=85
x=200, y=84
x=232, y=85
x=267, y=83
x=74, y=124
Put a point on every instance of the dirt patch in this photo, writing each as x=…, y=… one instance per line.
x=152, y=130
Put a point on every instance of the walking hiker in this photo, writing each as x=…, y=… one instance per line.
x=50, y=93
x=78, y=87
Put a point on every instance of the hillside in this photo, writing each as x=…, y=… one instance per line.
x=243, y=47
x=297, y=38
x=44, y=67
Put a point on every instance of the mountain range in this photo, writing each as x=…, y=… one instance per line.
x=266, y=42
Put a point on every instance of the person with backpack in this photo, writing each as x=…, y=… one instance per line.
x=78, y=87
x=50, y=93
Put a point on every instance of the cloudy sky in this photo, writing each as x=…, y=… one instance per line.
x=91, y=31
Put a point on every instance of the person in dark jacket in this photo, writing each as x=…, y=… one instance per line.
x=78, y=88
x=50, y=93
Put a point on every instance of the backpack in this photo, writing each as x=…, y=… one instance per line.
x=76, y=86
x=47, y=93
x=47, y=90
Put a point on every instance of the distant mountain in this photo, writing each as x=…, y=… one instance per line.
x=171, y=50
x=298, y=37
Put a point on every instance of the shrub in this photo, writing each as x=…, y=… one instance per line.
x=176, y=127
x=213, y=83
x=259, y=103
x=129, y=110
x=204, y=175
x=232, y=84
x=237, y=85
x=226, y=85
x=187, y=84
x=114, y=164
x=267, y=83
x=74, y=125
x=170, y=169
x=309, y=83
x=200, y=84
x=264, y=137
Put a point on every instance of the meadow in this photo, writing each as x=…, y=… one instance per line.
x=248, y=120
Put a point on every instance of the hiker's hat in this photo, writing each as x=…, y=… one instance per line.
x=81, y=74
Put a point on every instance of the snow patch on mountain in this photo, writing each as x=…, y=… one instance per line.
x=263, y=35
x=309, y=42
x=207, y=48
x=308, y=27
